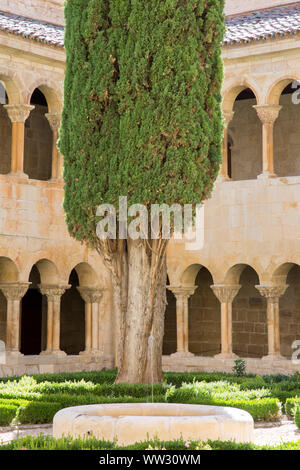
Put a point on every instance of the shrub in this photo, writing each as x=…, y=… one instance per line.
x=239, y=367
x=37, y=413
x=7, y=413
x=297, y=416
x=291, y=405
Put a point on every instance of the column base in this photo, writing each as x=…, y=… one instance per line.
x=13, y=353
x=58, y=352
x=226, y=356
x=182, y=354
x=273, y=357
x=222, y=178
x=18, y=174
x=266, y=175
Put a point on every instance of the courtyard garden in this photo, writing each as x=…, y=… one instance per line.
x=34, y=400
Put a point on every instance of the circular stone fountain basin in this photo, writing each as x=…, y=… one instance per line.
x=135, y=422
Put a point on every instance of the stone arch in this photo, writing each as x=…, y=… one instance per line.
x=38, y=143
x=233, y=274
x=13, y=87
x=52, y=95
x=72, y=318
x=244, y=124
x=275, y=89
x=8, y=270
x=48, y=271
x=204, y=316
x=286, y=128
x=86, y=275
x=231, y=93
x=8, y=273
x=189, y=274
x=33, y=314
x=289, y=306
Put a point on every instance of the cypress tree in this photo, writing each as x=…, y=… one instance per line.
x=142, y=119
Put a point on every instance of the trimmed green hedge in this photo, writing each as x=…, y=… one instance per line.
x=37, y=412
x=7, y=414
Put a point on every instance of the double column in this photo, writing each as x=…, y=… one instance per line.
x=92, y=297
x=182, y=295
x=18, y=113
x=13, y=293
x=226, y=294
x=272, y=294
x=53, y=294
x=268, y=114
x=223, y=175
x=54, y=122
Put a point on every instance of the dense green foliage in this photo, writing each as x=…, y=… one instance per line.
x=43, y=442
x=35, y=399
x=142, y=113
x=239, y=367
x=297, y=416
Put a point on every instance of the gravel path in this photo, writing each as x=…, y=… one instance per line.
x=264, y=433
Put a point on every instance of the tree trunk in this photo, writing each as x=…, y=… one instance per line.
x=140, y=360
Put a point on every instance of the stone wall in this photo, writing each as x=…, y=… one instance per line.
x=44, y=10
x=204, y=318
x=249, y=319
x=234, y=7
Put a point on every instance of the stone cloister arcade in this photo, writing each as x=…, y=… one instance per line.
x=238, y=318
x=48, y=317
x=238, y=296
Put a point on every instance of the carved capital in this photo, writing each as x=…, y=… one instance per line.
x=18, y=112
x=268, y=113
x=228, y=116
x=182, y=292
x=90, y=294
x=14, y=291
x=225, y=293
x=272, y=293
x=54, y=121
x=53, y=292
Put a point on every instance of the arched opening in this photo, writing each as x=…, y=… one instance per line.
x=33, y=310
x=170, y=333
x=38, y=140
x=72, y=318
x=289, y=312
x=229, y=156
x=5, y=133
x=204, y=317
x=245, y=128
x=249, y=316
x=8, y=273
x=287, y=135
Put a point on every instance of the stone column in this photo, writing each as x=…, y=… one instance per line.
x=54, y=121
x=224, y=176
x=92, y=297
x=226, y=294
x=268, y=115
x=18, y=113
x=53, y=294
x=272, y=294
x=13, y=293
x=182, y=295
